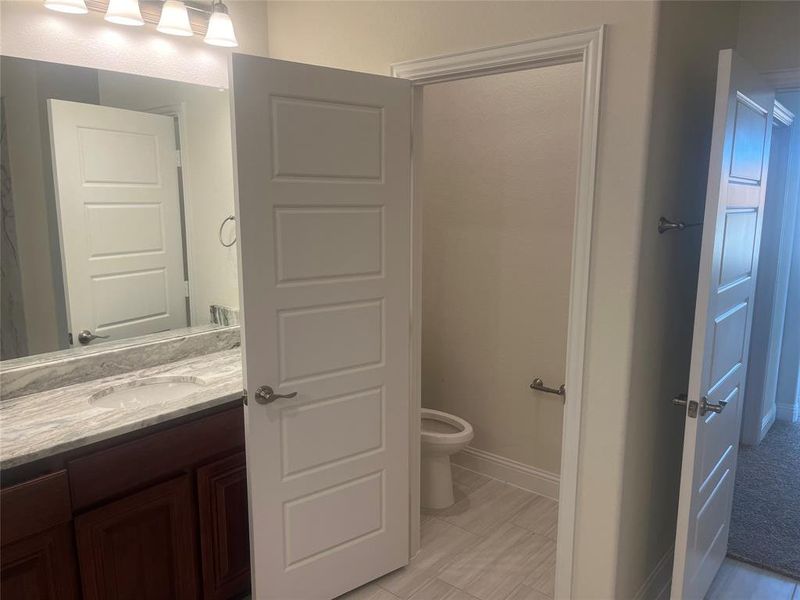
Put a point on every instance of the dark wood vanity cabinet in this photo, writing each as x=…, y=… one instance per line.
x=37, y=558
x=41, y=567
x=224, y=527
x=141, y=546
x=161, y=515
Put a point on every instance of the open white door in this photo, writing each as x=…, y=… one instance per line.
x=323, y=206
x=116, y=181
x=737, y=182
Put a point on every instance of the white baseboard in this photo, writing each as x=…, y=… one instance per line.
x=787, y=412
x=513, y=472
x=658, y=583
x=766, y=422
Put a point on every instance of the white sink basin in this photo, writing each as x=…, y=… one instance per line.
x=146, y=392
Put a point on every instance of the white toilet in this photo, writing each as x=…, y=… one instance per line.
x=443, y=434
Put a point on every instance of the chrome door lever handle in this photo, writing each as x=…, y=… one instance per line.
x=86, y=336
x=680, y=400
x=707, y=407
x=265, y=394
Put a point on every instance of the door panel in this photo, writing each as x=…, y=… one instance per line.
x=723, y=316
x=323, y=160
x=116, y=180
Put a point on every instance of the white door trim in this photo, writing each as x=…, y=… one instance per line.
x=195, y=315
x=582, y=46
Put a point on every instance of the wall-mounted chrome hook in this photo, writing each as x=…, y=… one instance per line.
x=665, y=224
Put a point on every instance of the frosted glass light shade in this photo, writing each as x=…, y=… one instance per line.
x=220, y=28
x=75, y=7
x=174, y=19
x=124, y=12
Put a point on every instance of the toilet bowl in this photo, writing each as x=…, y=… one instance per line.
x=443, y=434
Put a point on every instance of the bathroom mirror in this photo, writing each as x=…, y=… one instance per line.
x=117, y=207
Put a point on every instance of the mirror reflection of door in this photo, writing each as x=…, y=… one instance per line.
x=118, y=199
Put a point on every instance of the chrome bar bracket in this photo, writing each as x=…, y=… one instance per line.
x=539, y=385
x=665, y=225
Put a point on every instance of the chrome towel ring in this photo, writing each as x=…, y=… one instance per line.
x=221, y=227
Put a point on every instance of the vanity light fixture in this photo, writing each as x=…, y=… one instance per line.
x=209, y=19
x=124, y=12
x=220, y=28
x=174, y=19
x=75, y=7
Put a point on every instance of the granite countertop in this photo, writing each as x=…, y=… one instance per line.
x=47, y=423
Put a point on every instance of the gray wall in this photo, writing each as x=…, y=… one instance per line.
x=690, y=35
x=26, y=86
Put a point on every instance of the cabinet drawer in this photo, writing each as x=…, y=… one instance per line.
x=132, y=465
x=34, y=506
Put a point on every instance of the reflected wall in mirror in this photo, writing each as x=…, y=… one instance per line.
x=115, y=193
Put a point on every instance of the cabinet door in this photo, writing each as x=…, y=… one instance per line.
x=224, y=527
x=40, y=567
x=141, y=547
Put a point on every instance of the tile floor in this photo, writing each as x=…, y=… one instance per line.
x=740, y=581
x=497, y=542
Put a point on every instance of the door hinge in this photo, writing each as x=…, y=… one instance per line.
x=178, y=158
x=186, y=288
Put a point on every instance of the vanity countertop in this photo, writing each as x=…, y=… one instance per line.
x=47, y=423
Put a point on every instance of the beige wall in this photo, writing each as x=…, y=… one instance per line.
x=690, y=35
x=371, y=36
x=499, y=166
x=208, y=173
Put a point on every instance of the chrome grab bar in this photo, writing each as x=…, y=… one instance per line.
x=539, y=385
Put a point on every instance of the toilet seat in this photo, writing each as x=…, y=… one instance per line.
x=463, y=430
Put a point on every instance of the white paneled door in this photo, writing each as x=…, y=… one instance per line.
x=323, y=203
x=116, y=181
x=728, y=265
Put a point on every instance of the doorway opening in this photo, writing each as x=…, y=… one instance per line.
x=765, y=520
x=504, y=152
x=496, y=178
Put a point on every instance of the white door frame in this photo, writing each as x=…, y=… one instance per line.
x=581, y=46
x=178, y=111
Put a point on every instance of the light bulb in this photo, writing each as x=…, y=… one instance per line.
x=220, y=28
x=174, y=19
x=124, y=12
x=75, y=7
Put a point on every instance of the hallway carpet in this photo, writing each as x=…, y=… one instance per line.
x=765, y=525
